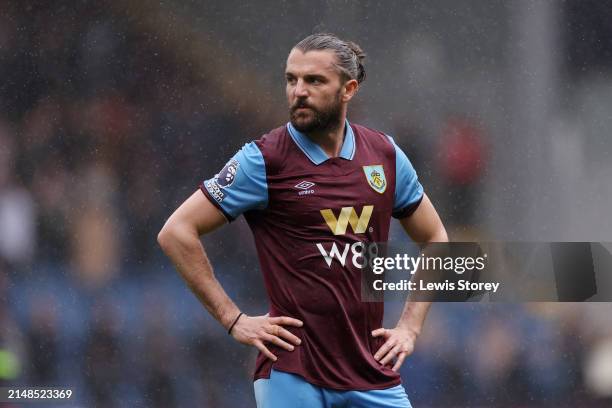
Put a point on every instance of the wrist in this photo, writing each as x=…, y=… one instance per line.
x=407, y=327
x=234, y=322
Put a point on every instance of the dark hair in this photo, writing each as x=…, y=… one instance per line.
x=350, y=56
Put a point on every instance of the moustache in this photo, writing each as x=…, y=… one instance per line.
x=300, y=104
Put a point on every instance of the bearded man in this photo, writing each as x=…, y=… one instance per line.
x=312, y=190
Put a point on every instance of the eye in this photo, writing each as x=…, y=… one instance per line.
x=290, y=80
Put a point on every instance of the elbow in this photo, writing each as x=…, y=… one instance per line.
x=441, y=236
x=166, y=236
x=176, y=233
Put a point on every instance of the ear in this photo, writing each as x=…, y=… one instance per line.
x=350, y=89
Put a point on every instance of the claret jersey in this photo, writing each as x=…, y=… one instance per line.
x=310, y=215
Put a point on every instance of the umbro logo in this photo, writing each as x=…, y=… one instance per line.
x=305, y=186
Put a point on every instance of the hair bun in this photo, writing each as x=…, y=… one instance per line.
x=357, y=50
x=360, y=57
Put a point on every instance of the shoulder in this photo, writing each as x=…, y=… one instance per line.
x=373, y=138
x=274, y=147
x=272, y=138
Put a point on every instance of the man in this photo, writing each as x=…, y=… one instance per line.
x=313, y=192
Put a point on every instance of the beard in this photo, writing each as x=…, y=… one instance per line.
x=316, y=120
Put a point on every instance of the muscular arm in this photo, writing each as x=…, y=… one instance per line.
x=180, y=240
x=424, y=226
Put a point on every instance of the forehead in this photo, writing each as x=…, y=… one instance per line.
x=311, y=62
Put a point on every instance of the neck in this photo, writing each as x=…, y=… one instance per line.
x=330, y=139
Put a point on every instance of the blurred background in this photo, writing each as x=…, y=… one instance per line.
x=112, y=112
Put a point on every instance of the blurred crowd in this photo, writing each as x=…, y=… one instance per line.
x=103, y=132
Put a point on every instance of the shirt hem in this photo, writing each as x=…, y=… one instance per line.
x=215, y=203
x=409, y=210
x=322, y=384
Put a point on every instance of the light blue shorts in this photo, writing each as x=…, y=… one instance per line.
x=286, y=390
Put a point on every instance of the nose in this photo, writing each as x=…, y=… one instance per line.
x=300, y=89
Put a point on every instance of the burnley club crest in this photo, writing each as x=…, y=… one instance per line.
x=376, y=177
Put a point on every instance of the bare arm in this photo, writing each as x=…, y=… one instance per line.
x=180, y=240
x=424, y=226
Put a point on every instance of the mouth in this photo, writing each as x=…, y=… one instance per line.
x=301, y=109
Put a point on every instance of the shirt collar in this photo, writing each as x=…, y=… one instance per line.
x=315, y=153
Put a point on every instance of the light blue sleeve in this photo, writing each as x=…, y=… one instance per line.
x=241, y=185
x=408, y=189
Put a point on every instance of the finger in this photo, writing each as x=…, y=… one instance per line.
x=261, y=347
x=276, y=341
x=286, y=334
x=391, y=355
x=389, y=344
x=286, y=321
x=378, y=332
x=400, y=360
